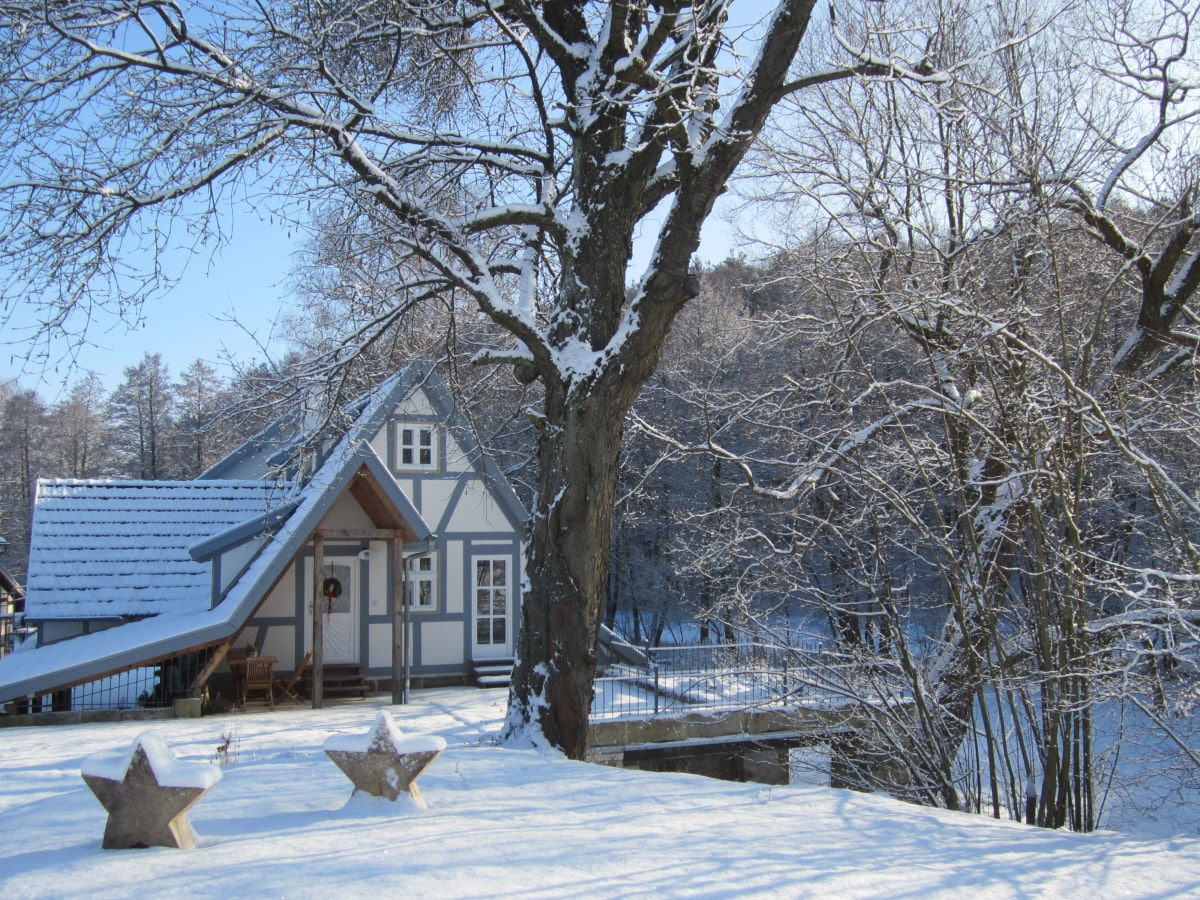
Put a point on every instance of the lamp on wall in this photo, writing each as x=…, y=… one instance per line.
x=364, y=554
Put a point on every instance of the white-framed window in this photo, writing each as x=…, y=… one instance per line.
x=421, y=577
x=492, y=592
x=416, y=446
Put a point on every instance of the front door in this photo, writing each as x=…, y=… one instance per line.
x=339, y=599
x=492, y=586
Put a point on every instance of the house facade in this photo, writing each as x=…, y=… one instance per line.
x=394, y=499
x=461, y=573
x=12, y=606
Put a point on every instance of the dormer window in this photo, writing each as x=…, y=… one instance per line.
x=416, y=446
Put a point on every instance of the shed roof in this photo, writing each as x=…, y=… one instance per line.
x=120, y=548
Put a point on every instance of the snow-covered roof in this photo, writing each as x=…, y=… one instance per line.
x=120, y=548
x=277, y=446
x=30, y=670
x=79, y=659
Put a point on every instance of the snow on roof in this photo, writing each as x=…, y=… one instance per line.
x=28, y=671
x=193, y=625
x=118, y=548
x=297, y=430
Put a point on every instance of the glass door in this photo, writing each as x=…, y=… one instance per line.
x=492, y=594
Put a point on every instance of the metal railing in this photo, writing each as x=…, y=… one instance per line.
x=153, y=686
x=718, y=676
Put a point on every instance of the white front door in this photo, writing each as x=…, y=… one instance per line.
x=339, y=601
x=492, y=606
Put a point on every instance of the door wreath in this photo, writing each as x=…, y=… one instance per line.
x=332, y=588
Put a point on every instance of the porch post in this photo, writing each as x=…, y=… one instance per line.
x=197, y=687
x=318, y=622
x=399, y=622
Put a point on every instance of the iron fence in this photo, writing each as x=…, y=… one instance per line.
x=721, y=676
x=152, y=686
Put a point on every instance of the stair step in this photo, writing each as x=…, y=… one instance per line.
x=341, y=680
x=494, y=670
x=493, y=681
x=493, y=673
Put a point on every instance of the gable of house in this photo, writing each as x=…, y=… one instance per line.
x=477, y=522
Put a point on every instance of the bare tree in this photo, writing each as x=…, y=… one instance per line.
x=509, y=152
x=79, y=437
x=22, y=450
x=1036, y=425
x=141, y=413
x=201, y=430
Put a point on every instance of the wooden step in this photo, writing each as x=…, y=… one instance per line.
x=341, y=680
x=492, y=673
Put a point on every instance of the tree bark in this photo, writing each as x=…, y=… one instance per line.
x=568, y=565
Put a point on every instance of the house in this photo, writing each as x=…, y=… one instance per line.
x=12, y=606
x=125, y=575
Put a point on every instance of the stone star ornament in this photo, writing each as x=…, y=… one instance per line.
x=384, y=762
x=147, y=793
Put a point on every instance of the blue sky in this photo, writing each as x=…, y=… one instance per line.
x=221, y=307
x=246, y=281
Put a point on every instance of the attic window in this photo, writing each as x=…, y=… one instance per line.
x=416, y=447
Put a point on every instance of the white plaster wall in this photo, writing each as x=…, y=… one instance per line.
x=435, y=496
x=441, y=643
x=478, y=511
x=378, y=567
x=281, y=602
x=454, y=576
x=456, y=458
x=280, y=643
x=415, y=404
x=379, y=443
x=379, y=647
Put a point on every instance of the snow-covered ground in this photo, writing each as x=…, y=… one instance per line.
x=509, y=823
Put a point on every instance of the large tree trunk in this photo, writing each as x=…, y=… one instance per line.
x=568, y=564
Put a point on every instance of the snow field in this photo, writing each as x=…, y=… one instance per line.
x=507, y=823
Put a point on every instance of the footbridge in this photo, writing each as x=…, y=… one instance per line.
x=732, y=711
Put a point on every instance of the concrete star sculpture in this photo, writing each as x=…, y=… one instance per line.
x=147, y=794
x=384, y=762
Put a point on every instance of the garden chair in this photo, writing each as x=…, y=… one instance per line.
x=290, y=688
x=259, y=678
